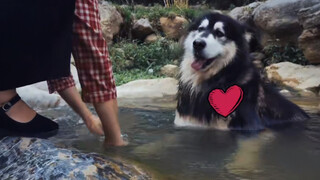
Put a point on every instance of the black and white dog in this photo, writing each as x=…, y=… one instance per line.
x=216, y=56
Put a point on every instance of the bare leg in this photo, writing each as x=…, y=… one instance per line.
x=72, y=97
x=20, y=112
x=108, y=113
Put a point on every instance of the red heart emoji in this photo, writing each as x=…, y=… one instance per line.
x=226, y=102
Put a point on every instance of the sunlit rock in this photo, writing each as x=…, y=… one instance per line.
x=170, y=70
x=110, y=21
x=173, y=26
x=295, y=76
x=148, y=88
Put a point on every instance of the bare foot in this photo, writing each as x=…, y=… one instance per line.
x=118, y=143
x=94, y=125
x=108, y=113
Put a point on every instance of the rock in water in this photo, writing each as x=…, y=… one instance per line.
x=148, y=88
x=31, y=158
x=301, y=78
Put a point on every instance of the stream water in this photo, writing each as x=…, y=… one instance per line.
x=170, y=152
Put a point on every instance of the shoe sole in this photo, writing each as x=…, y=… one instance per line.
x=43, y=135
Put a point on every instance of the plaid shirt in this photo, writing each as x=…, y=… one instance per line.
x=91, y=56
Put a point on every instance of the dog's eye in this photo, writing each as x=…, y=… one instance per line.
x=219, y=33
x=201, y=29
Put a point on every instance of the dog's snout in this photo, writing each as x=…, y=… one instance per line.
x=199, y=44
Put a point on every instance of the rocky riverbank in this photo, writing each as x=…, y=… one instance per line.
x=31, y=158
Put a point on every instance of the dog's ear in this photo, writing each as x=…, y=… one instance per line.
x=196, y=22
x=252, y=36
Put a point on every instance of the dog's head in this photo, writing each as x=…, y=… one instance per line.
x=212, y=43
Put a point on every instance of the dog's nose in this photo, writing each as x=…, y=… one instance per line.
x=199, y=44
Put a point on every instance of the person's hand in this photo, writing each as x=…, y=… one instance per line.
x=94, y=125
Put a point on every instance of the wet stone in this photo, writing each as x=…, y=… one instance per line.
x=31, y=158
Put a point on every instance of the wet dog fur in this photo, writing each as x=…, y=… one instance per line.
x=216, y=56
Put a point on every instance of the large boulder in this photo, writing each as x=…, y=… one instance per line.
x=279, y=19
x=222, y=4
x=148, y=88
x=142, y=28
x=26, y=158
x=309, y=40
x=310, y=17
x=173, y=27
x=111, y=20
x=301, y=78
x=37, y=98
x=244, y=13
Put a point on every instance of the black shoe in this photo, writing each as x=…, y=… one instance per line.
x=39, y=126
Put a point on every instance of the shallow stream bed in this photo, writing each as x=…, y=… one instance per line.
x=169, y=152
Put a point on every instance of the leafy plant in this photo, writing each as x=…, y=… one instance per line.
x=128, y=55
x=134, y=74
x=290, y=53
x=155, y=12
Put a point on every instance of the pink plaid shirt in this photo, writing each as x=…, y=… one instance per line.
x=91, y=56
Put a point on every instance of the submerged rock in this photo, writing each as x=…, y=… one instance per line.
x=31, y=158
x=302, y=78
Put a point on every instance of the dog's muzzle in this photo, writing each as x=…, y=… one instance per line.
x=199, y=45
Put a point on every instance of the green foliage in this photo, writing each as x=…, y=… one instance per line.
x=155, y=12
x=129, y=56
x=134, y=74
x=290, y=53
x=126, y=13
